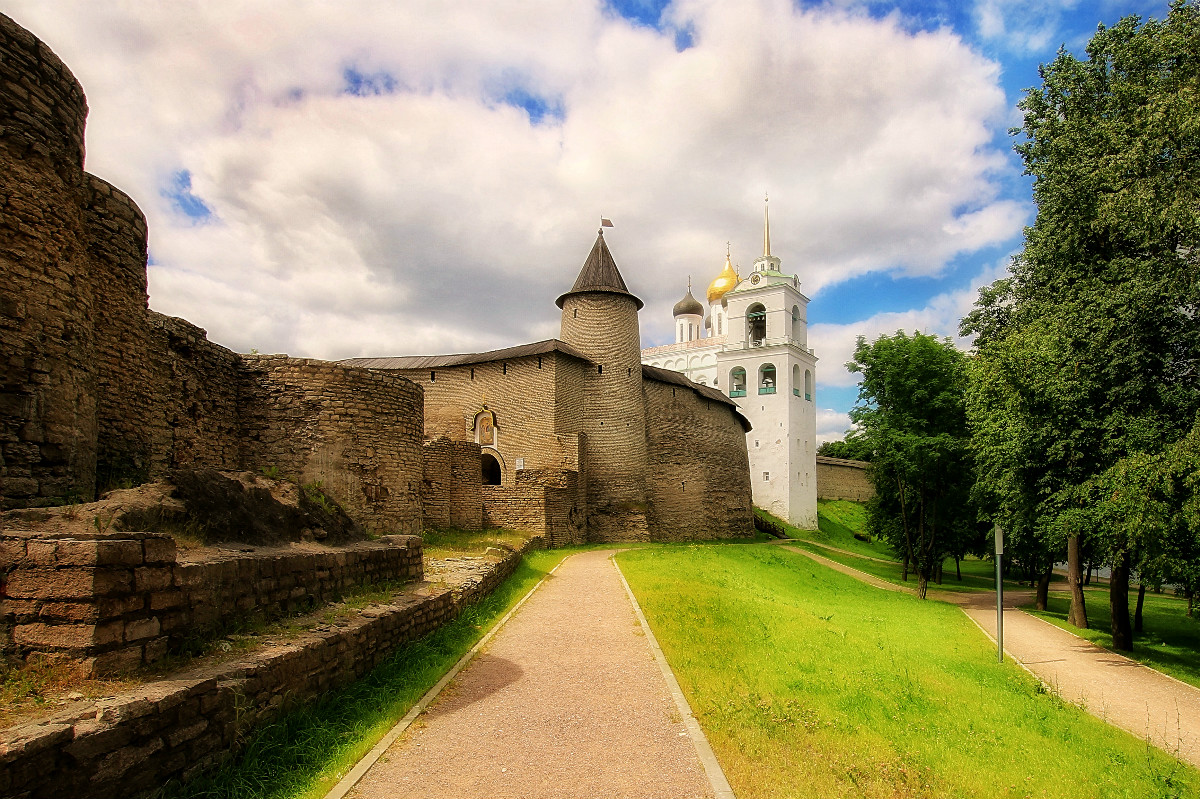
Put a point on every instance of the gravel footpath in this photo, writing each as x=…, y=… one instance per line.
x=1122, y=692
x=566, y=701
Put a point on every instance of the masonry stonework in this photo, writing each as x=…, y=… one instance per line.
x=98, y=391
x=175, y=729
x=117, y=601
x=354, y=431
x=125, y=389
x=604, y=327
x=586, y=444
x=838, y=478
x=699, y=480
x=47, y=385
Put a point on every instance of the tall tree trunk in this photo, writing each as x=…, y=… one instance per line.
x=905, y=575
x=938, y=573
x=1118, y=601
x=958, y=568
x=1043, y=587
x=1191, y=595
x=1078, y=612
x=1137, y=614
x=1087, y=579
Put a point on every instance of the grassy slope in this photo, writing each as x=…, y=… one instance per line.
x=1170, y=643
x=840, y=519
x=306, y=752
x=809, y=683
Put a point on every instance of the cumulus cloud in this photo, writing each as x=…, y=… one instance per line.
x=831, y=425
x=939, y=317
x=384, y=178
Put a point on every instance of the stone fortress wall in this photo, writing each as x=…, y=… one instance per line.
x=97, y=390
x=47, y=386
x=536, y=440
x=694, y=452
x=838, y=478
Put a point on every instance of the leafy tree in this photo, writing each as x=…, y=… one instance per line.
x=910, y=413
x=852, y=447
x=1103, y=303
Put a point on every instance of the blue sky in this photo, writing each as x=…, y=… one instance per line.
x=379, y=178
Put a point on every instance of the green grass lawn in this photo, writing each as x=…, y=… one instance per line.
x=305, y=752
x=1170, y=641
x=452, y=541
x=839, y=520
x=810, y=683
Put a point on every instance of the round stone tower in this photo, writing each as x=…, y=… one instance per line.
x=47, y=387
x=600, y=319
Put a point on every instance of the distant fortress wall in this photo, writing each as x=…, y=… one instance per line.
x=838, y=478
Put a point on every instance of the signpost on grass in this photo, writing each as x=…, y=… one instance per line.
x=999, y=594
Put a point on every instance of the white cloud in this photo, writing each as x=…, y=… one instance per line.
x=831, y=425
x=437, y=218
x=940, y=317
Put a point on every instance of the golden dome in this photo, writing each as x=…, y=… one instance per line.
x=725, y=282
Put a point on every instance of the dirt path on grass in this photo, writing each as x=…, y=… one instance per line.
x=1118, y=690
x=566, y=701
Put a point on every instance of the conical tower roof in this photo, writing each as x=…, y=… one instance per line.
x=599, y=273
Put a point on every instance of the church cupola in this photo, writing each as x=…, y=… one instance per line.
x=725, y=282
x=689, y=316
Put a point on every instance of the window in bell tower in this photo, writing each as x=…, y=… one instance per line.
x=756, y=324
x=737, y=382
x=766, y=379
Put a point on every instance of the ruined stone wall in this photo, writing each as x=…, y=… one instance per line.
x=193, y=413
x=466, y=486
x=604, y=327
x=178, y=728
x=125, y=386
x=435, y=486
x=838, y=478
x=117, y=601
x=47, y=385
x=355, y=431
x=546, y=502
x=698, y=475
x=450, y=491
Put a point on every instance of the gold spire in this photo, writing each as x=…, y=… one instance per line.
x=725, y=282
x=766, y=227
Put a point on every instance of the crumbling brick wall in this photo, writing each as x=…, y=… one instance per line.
x=47, y=385
x=116, y=601
x=357, y=432
x=548, y=502
x=175, y=729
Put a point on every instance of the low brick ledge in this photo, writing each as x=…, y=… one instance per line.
x=114, y=602
x=174, y=729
